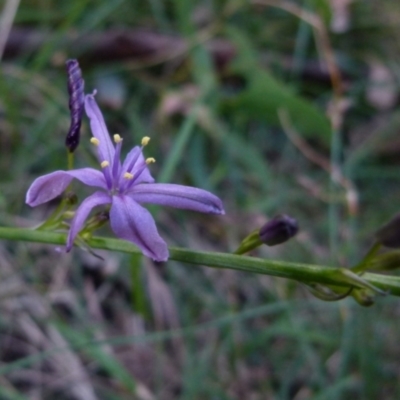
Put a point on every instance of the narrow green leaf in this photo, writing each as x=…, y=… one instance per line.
x=264, y=95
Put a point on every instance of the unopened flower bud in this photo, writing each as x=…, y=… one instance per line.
x=97, y=221
x=76, y=99
x=103, y=216
x=71, y=198
x=278, y=230
x=389, y=234
x=386, y=261
x=364, y=297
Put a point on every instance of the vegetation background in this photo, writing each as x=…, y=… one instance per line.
x=277, y=106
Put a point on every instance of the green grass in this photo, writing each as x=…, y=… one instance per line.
x=76, y=327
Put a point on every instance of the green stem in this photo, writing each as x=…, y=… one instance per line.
x=53, y=220
x=297, y=271
x=70, y=158
x=249, y=243
x=366, y=261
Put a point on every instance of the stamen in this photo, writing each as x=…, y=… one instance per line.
x=104, y=164
x=145, y=141
x=150, y=160
x=116, y=163
x=127, y=184
x=128, y=176
x=117, y=138
x=95, y=141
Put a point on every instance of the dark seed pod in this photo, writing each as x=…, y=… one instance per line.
x=76, y=99
x=278, y=230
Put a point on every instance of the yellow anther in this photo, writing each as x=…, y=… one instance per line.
x=104, y=164
x=95, y=141
x=117, y=138
x=145, y=141
x=150, y=160
x=127, y=175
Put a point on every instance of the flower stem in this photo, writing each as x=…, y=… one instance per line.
x=70, y=160
x=297, y=271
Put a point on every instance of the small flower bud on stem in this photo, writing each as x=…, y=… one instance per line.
x=96, y=222
x=70, y=198
x=389, y=234
x=276, y=231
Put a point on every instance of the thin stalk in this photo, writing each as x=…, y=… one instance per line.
x=70, y=156
x=297, y=271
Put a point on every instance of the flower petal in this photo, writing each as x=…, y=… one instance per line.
x=133, y=162
x=47, y=187
x=178, y=196
x=99, y=129
x=132, y=222
x=96, y=199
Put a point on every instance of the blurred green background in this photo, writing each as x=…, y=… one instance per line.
x=276, y=107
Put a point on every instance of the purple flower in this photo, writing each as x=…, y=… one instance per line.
x=125, y=186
